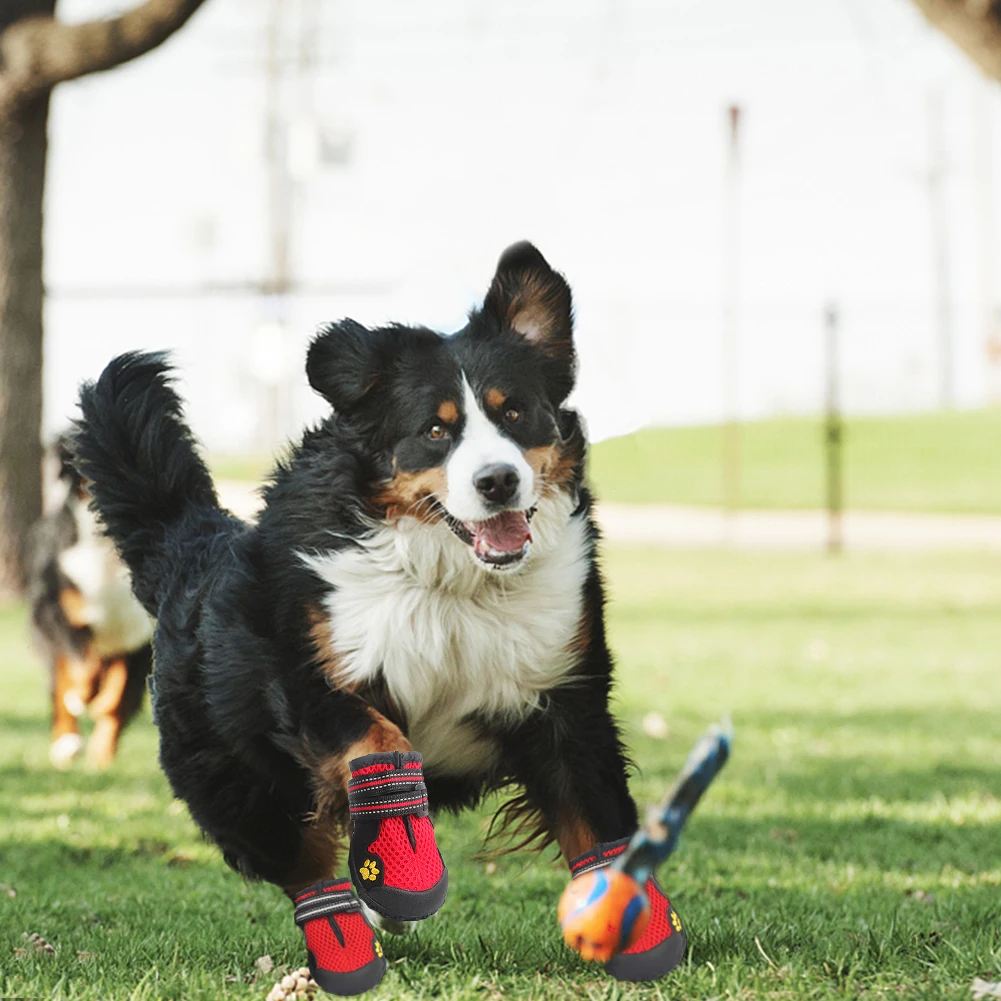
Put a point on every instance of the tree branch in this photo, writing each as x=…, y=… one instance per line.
x=974, y=25
x=36, y=53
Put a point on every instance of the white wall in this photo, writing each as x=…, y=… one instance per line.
x=595, y=129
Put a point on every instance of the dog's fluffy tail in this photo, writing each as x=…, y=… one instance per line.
x=143, y=468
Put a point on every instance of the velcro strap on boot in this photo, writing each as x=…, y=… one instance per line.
x=318, y=901
x=598, y=857
x=387, y=785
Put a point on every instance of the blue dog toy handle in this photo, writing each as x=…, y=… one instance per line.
x=658, y=837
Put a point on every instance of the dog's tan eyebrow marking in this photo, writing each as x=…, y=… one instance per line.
x=495, y=399
x=448, y=412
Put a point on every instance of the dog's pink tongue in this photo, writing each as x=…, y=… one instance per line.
x=504, y=533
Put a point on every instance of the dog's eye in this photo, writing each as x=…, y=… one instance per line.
x=512, y=415
x=437, y=432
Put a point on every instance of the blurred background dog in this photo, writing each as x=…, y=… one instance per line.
x=92, y=632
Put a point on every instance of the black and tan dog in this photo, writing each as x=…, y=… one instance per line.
x=423, y=578
x=93, y=633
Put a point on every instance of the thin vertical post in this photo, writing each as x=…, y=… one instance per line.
x=984, y=213
x=937, y=169
x=833, y=431
x=272, y=331
x=729, y=345
x=284, y=188
x=276, y=133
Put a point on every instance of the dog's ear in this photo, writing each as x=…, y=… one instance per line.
x=342, y=364
x=529, y=298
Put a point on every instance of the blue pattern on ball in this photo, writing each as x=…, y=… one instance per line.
x=629, y=919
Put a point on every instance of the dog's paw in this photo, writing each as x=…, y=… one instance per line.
x=64, y=749
x=102, y=744
x=74, y=704
x=389, y=925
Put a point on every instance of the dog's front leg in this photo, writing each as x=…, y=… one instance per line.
x=377, y=779
x=572, y=764
x=570, y=759
x=327, y=754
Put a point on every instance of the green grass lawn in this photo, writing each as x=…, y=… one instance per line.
x=926, y=462
x=855, y=836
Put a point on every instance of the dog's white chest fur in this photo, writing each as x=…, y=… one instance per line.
x=451, y=639
x=119, y=622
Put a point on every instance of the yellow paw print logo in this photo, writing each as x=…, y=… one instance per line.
x=676, y=921
x=369, y=870
x=377, y=946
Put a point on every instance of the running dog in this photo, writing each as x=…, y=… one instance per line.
x=415, y=620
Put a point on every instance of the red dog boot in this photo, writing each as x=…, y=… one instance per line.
x=345, y=957
x=662, y=946
x=394, y=860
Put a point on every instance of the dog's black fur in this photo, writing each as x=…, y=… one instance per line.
x=246, y=710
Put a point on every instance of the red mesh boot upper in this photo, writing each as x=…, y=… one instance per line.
x=660, y=926
x=394, y=859
x=345, y=957
x=358, y=946
x=409, y=867
x=662, y=945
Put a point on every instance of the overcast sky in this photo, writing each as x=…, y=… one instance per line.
x=596, y=129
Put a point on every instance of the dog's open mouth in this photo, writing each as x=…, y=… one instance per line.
x=501, y=541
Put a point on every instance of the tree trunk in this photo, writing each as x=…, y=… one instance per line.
x=37, y=52
x=974, y=25
x=23, y=144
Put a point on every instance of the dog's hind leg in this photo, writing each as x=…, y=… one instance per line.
x=320, y=850
x=319, y=854
x=105, y=708
x=65, y=742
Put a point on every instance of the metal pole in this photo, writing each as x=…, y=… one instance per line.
x=284, y=188
x=833, y=432
x=940, y=246
x=990, y=300
x=729, y=345
x=278, y=204
x=276, y=132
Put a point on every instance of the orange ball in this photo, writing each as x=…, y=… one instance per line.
x=603, y=912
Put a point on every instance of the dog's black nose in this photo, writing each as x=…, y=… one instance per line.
x=497, y=484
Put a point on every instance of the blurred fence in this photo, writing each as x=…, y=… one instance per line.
x=644, y=360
